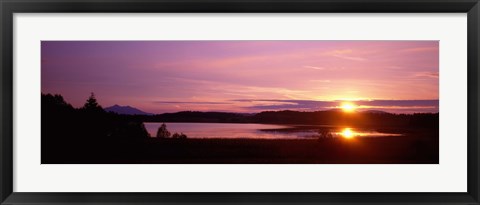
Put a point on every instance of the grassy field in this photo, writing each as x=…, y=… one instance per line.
x=410, y=149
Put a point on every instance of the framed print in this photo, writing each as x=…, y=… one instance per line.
x=252, y=102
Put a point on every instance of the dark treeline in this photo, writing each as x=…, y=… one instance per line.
x=79, y=132
x=331, y=117
x=89, y=120
x=359, y=119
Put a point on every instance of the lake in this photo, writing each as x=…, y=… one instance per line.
x=260, y=131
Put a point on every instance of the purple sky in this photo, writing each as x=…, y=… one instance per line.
x=245, y=76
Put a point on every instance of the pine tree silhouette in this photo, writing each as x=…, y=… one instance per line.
x=92, y=104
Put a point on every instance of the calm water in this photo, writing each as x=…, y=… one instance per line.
x=257, y=131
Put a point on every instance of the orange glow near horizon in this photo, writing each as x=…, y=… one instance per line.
x=348, y=107
x=348, y=133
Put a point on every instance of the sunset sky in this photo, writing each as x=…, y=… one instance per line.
x=245, y=76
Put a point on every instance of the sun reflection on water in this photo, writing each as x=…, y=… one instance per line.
x=348, y=133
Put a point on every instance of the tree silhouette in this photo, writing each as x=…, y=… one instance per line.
x=54, y=103
x=92, y=104
x=162, y=131
x=183, y=136
x=179, y=136
x=176, y=135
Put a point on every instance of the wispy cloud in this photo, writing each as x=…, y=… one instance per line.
x=420, y=49
x=342, y=52
x=194, y=103
x=351, y=58
x=426, y=74
x=314, y=67
x=346, y=54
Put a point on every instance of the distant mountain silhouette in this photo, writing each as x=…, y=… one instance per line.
x=375, y=111
x=126, y=110
x=357, y=111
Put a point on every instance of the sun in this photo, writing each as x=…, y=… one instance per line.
x=348, y=107
x=347, y=133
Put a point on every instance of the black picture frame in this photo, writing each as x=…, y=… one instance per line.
x=9, y=7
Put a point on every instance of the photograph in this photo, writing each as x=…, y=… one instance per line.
x=240, y=102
